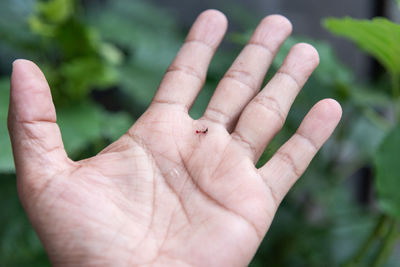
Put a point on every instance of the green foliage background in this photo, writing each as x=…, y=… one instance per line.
x=104, y=63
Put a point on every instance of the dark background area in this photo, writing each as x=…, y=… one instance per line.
x=305, y=15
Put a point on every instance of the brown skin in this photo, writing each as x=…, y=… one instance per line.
x=163, y=194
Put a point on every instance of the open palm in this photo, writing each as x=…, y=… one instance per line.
x=172, y=190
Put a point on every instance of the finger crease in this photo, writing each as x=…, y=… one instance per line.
x=219, y=116
x=187, y=70
x=308, y=140
x=243, y=77
x=290, y=76
x=172, y=103
x=286, y=157
x=36, y=121
x=201, y=42
x=272, y=192
x=237, y=136
x=263, y=46
x=271, y=104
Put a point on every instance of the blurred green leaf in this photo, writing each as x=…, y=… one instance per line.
x=387, y=173
x=76, y=39
x=80, y=125
x=19, y=244
x=86, y=123
x=50, y=13
x=111, y=53
x=149, y=42
x=56, y=11
x=364, y=139
x=38, y=26
x=115, y=124
x=75, y=59
x=6, y=158
x=83, y=74
x=16, y=38
x=369, y=97
x=378, y=37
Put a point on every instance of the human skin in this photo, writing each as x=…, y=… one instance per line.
x=164, y=194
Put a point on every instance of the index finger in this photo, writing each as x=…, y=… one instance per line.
x=186, y=75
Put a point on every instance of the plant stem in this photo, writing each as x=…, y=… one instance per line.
x=356, y=259
x=387, y=244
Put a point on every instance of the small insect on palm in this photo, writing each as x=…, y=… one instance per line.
x=202, y=131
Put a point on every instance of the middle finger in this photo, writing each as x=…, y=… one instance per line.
x=243, y=79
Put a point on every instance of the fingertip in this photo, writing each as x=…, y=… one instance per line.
x=321, y=120
x=20, y=61
x=307, y=52
x=22, y=64
x=280, y=22
x=30, y=96
x=209, y=28
x=271, y=32
x=17, y=65
x=292, y=159
x=25, y=70
x=301, y=61
x=334, y=105
x=330, y=109
x=215, y=16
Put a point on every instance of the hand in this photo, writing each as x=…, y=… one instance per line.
x=172, y=190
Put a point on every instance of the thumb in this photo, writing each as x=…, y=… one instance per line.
x=36, y=139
